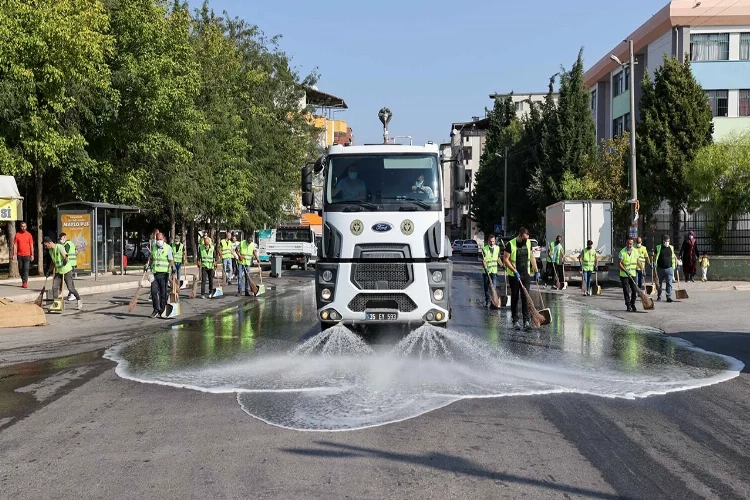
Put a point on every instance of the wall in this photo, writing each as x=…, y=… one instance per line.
x=621, y=105
x=656, y=51
x=728, y=268
x=725, y=126
x=721, y=75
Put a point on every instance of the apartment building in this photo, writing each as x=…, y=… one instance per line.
x=713, y=34
x=325, y=106
x=466, y=146
x=524, y=100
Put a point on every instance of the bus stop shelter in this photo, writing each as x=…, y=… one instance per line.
x=98, y=232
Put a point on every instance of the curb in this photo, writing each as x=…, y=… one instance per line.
x=88, y=290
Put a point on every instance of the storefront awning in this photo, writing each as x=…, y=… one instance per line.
x=311, y=220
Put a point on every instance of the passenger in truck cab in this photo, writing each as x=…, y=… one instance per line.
x=419, y=187
x=351, y=187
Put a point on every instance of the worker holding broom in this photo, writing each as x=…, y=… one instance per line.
x=245, y=252
x=628, y=265
x=63, y=270
x=490, y=259
x=643, y=261
x=589, y=262
x=226, y=257
x=665, y=263
x=207, y=265
x=161, y=262
x=519, y=261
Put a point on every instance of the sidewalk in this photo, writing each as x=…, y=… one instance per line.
x=86, y=285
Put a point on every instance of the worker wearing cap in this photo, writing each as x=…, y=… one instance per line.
x=160, y=262
x=245, y=252
x=490, y=259
x=225, y=246
x=207, y=265
x=63, y=270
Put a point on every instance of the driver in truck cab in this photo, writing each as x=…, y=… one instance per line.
x=419, y=187
x=351, y=187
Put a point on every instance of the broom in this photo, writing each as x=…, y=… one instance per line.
x=262, y=287
x=680, y=293
x=544, y=312
x=493, y=293
x=253, y=287
x=597, y=288
x=651, y=288
x=134, y=300
x=646, y=301
x=505, y=299
x=535, y=318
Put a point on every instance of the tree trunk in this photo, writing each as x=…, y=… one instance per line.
x=676, y=220
x=39, y=257
x=13, y=262
x=172, y=221
x=191, y=238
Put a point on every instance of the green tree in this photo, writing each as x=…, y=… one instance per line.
x=720, y=173
x=503, y=132
x=53, y=78
x=675, y=124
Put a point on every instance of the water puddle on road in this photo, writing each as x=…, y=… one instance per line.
x=337, y=381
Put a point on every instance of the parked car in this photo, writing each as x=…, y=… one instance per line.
x=130, y=251
x=470, y=247
x=457, y=246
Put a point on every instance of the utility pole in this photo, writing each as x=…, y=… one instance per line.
x=633, y=183
x=505, y=195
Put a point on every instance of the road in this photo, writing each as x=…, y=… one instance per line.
x=72, y=427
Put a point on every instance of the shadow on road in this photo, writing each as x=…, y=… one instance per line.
x=440, y=461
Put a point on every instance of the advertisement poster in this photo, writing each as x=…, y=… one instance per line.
x=78, y=229
x=8, y=209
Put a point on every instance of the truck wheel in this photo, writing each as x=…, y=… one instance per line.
x=288, y=267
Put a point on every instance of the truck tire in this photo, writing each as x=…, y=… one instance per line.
x=288, y=267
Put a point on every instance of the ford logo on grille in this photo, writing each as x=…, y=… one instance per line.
x=382, y=227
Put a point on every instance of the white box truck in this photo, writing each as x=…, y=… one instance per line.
x=578, y=221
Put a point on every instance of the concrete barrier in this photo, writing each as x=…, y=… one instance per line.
x=728, y=268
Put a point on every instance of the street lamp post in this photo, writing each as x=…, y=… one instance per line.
x=633, y=179
x=505, y=192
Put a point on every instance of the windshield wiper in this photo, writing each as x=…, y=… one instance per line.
x=415, y=201
x=358, y=203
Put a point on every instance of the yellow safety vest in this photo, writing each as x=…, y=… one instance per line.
x=61, y=266
x=246, y=251
x=491, y=258
x=658, y=252
x=642, y=257
x=226, y=249
x=629, y=261
x=588, y=258
x=160, y=260
x=207, y=256
x=513, y=251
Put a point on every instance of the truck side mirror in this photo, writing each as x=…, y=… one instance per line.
x=306, y=185
x=459, y=177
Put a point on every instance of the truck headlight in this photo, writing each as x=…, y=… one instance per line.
x=327, y=275
x=325, y=294
x=438, y=294
x=437, y=276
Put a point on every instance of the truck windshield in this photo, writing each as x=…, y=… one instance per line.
x=295, y=235
x=383, y=181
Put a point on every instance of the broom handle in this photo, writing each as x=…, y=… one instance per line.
x=539, y=291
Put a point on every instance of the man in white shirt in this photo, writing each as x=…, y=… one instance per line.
x=419, y=187
x=350, y=187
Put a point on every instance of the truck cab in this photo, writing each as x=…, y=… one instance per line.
x=384, y=254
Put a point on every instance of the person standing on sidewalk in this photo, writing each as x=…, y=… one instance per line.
x=704, y=267
x=23, y=251
x=666, y=263
x=558, y=261
x=160, y=263
x=245, y=253
x=62, y=270
x=70, y=250
x=235, y=253
x=490, y=258
x=589, y=262
x=519, y=261
x=207, y=265
x=643, y=261
x=225, y=245
x=689, y=255
x=180, y=257
x=628, y=265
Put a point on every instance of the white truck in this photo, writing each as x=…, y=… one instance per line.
x=578, y=221
x=384, y=255
x=295, y=244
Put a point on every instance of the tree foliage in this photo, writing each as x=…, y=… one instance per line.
x=675, y=124
x=720, y=173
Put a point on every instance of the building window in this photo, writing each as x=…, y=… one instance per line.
x=519, y=105
x=709, y=47
x=626, y=78
x=719, y=102
x=467, y=153
x=626, y=122
x=745, y=46
x=593, y=101
x=744, y=103
x=617, y=126
x=617, y=84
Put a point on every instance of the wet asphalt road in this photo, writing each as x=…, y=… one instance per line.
x=70, y=427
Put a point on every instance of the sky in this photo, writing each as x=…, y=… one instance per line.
x=435, y=62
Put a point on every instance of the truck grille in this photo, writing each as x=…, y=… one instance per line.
x=399, y=301
x=381, y=276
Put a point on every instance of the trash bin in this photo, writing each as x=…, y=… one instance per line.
x=275, y=266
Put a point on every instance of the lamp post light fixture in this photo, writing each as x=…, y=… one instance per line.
x=633, y=181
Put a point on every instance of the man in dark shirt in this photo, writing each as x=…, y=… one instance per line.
x=665, y=262
x=519, y=264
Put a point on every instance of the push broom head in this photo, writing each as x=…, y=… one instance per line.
x=536, y=318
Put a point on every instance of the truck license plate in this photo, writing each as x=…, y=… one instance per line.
x=377, y=316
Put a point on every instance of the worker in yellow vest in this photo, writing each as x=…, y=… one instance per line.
x=246, y=251
x=207, y=265
x=589, y=262
x=161, y=262
x=490, y=259
x=643, y=263
x=70, y=249
x=225, y=246
x=63, y=270
x=519, y=262
x=628, y=265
